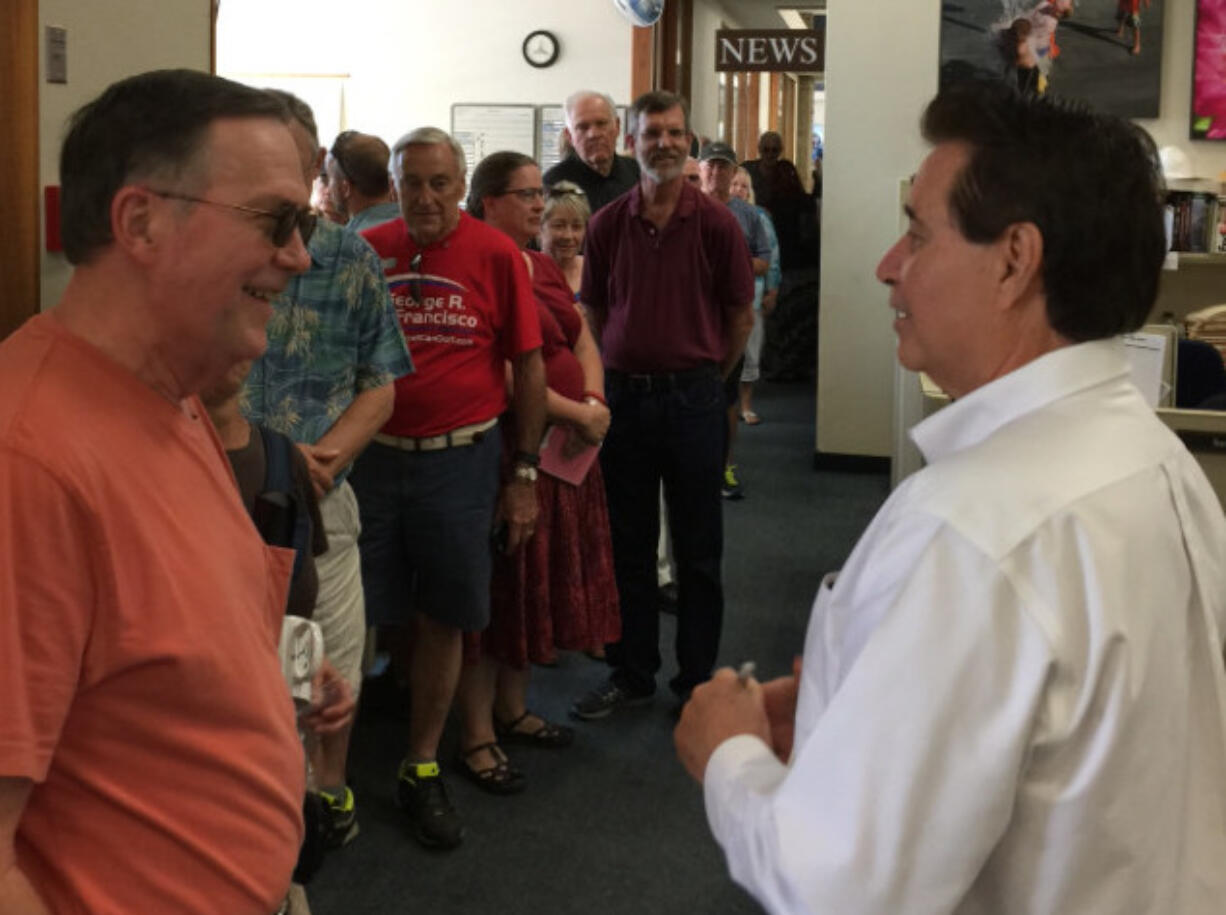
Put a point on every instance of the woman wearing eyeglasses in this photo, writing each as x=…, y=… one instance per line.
x=558, y=590
x=562, y=229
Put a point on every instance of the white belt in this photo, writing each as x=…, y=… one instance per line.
x=456, y=438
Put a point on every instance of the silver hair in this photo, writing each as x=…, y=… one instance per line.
x=432, y=136
x=576, y=97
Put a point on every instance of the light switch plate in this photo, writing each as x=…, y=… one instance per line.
x=57, y=54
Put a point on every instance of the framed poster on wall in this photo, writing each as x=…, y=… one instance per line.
x=1106, y=53
x=1209, y=72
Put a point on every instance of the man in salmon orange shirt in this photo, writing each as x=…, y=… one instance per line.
x=149, y=760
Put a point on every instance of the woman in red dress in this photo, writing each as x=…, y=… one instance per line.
x=558, y=590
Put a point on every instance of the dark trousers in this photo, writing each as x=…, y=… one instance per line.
x=666, y=428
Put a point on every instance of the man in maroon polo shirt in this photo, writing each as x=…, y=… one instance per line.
x=668, y=283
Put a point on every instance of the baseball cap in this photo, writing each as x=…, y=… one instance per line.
x=717, y=151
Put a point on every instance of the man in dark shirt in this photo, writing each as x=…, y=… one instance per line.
x=592, y=126
x=668, y=284
x=778, y=190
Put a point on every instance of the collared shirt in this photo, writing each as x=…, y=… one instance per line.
x=750, y=221
x=1013, y=697
x=332, y=336
x=663, y=297
x=600, y=189
x=373, y=216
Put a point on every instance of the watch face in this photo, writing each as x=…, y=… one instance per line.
x=540, y=48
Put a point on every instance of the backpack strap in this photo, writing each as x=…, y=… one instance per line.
x=279, y=478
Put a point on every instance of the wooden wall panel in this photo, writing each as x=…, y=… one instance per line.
x=642, y=64
x=19, y=186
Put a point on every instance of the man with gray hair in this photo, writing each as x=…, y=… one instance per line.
x=429, y=485
x=592, y=126
x=358, y=183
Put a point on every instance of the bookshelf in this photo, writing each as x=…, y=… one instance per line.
x=1179, y=260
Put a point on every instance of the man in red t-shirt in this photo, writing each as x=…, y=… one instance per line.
x=428, y=485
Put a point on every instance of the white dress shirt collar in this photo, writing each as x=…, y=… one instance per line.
x=1053, y=376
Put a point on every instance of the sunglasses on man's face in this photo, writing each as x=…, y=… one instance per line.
x=285, y=218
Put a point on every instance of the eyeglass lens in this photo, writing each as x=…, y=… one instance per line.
x=290, y=217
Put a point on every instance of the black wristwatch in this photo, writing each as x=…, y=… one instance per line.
x=527, y=458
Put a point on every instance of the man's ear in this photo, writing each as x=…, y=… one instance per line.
x=137, y=221
x=1021, y=249
x=317, y=168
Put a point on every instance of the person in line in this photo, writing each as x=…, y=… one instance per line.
x=1012, y=697
x=765, y=297
x=359, y=187
x=779, y=191
x=717, y=166
x=334, y=351
x=275, y=486
x=557, y=591
x=592, y=127
x=563, y=227
x=139, y=609
x=669, y=291
x=429, y=485
x=691, y=172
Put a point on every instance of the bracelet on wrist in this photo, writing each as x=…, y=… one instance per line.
x=594, y=396
x=527, y=458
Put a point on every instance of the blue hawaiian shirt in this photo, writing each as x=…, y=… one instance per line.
x=333, y=335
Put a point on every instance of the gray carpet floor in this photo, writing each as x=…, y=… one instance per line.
x=613, y=824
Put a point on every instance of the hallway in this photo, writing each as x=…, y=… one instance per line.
x=613, y=824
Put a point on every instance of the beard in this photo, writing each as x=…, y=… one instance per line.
x=661, y=168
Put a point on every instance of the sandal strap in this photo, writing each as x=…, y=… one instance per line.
x=492, y=746
x=509, y=726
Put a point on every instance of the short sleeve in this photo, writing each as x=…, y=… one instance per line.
x=759, y=241
x=734, y=271
x=593, y=287
x=522, y=324
x=47, y=602
x=382, y=354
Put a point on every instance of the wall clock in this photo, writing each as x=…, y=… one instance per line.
x=541, y=48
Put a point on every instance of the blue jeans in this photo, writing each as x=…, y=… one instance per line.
x=670, y=429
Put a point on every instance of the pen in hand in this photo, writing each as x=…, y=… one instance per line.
x=745, y=672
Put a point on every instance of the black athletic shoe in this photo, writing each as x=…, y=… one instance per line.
x=423, y=797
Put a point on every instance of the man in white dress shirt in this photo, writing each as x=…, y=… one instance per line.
x=1012, y=698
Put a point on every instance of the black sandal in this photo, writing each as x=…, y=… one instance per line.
x=500, y=778
x=549, y=735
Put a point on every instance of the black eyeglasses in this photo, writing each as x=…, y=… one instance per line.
x=286, y=218
x=415, y=279
x=526, y=194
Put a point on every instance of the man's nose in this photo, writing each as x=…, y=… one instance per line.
x=293, y=255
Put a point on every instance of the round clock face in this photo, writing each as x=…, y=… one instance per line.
x=541, y=48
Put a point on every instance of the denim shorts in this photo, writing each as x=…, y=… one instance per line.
x=426, y=520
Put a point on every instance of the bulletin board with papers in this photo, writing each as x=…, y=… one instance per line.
x=484, y=129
